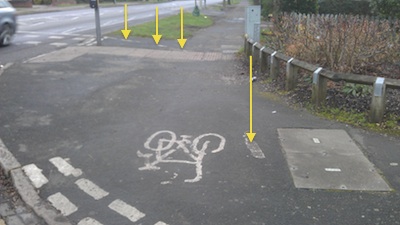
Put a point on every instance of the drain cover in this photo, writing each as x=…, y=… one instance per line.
x=328, y=159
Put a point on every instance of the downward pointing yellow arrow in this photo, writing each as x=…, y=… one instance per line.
x=251, y=135
x=126, y=32
x=157, y=37
x=182, y=41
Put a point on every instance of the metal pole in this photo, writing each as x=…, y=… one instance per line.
x=98, y=28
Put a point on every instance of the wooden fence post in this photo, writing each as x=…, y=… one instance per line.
x=253, y=53
x=291, y=75
x=249, y=48
x=378, y=103
x=263, y=61
x=274, y=66
x=245, y=44
x=318, y=88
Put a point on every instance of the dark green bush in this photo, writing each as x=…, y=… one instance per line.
x=353, y=7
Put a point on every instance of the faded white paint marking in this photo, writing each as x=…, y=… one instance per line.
x=91, y=188
x=78, y=39
x=31, y=36
x=333, y=170
x=316, y=141
x=394, y=164
x=89, y=221
x=160, y=223
x=56, y=37
x=59, y=44
x=35, y=175
x=64, y=167
x=164, y=143
x=255, y=150
x=32, y=42
x=126, y=210
x=60, y=202
x=229, y=51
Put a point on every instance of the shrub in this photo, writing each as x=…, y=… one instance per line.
x=341, y=43
x=37, y=2
x=354, y=7
x=386, y=8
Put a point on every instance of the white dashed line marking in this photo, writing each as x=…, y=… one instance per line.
x=31, y=36
x=316, y=141
x=254, y=149
x=58, y=44
x=32, y=42
x=60, y=202
x=126, y=210
x=35, y=175
x=78, y=39
x=91, y=188
x=333, y=169
x=160, y=223
x=89, y=221
x=56, y=37
x=64, y=167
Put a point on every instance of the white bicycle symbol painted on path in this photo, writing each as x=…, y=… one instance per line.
x=164, y=143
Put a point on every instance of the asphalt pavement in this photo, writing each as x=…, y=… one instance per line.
x=133, y=133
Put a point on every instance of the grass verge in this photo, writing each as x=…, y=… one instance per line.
x=388, y=126
x=170, y=27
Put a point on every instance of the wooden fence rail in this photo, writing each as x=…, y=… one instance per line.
x=268, y=59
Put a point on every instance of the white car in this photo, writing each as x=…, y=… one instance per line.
x=8, y=22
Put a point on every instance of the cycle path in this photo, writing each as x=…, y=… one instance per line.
x=139, y=136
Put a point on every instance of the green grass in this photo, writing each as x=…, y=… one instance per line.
x=389, y=125
x=170, y=27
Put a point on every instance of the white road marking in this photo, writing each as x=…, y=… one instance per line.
x=394, y=164
x=229, y=51
x=78, y=39
x=75, y=18
x=37, y=24
x=333, y=169
x=60, y=202
x=64, y=167
x=89, y=221
x=35, y=175
x=56, y=37
x=254, y=148
x=316, y=141
x=126, y=210
x=195, y=150
x=32, y=42
x=59, y=44
x=160, y=223
x=31, y=35
x=91, y=188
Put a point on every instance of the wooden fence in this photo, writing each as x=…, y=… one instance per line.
x=268, y=60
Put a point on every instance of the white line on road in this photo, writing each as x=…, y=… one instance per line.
x=160, y=223
x=89, y=221
x=32, y=42
x=254, y=148
x=91, y=188
x=56, y=37
x=333, y=169
x=64, y=167
x=59, y=44
x=316, y=141
x=35, y=175
x=126, y=210
x=60, y=202
x=31, y=35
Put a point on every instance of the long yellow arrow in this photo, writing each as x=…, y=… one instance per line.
x=126, y=32
x=157, y=37
x=182, y=41
x=251, y=135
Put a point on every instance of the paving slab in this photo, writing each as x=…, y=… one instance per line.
x=328, y=159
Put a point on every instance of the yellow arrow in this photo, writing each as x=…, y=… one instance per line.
x=182, y=41
x=157, y=37
x=126, y=32
x=251, y=135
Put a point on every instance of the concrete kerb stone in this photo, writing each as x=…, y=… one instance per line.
x=26, y=190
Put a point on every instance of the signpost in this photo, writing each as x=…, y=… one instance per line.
x=94, y=4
